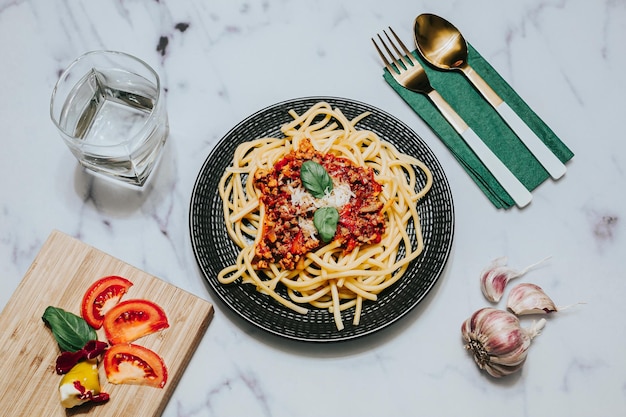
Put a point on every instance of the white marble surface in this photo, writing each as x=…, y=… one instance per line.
x=231, y=58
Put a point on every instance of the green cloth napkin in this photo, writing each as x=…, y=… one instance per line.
x=487, y=124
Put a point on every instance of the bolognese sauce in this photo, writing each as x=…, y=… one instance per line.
x=288, y=233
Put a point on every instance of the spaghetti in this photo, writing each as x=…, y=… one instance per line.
x=344, y=271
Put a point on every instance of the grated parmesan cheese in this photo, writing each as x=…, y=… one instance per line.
x=338, y=197
x=300, y=197
x=308, y=228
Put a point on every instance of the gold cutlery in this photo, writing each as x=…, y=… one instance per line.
x=408, y=72
x=443, y=46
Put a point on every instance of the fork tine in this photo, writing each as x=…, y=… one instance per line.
x=382, y=56
x=408, y=54
x=395, y=68
x=397, y=58
x=401, y=63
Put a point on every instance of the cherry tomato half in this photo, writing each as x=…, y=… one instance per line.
x=132, y=319
x=101, y=296
x=127, y=363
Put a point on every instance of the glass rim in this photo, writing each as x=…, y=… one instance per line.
x=105, y=52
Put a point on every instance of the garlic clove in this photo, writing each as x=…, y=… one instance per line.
x=498, y=342
x=495, y=277
x=529, y=298
x=493, y=280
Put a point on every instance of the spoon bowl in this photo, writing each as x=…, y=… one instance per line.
x=440, y=43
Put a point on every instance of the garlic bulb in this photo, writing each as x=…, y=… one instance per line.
x=497, y=340
x=495, y=277
x=529, y=299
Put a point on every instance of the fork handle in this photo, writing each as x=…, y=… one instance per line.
x=518, y=192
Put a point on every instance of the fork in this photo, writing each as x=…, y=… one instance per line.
x=408, y=72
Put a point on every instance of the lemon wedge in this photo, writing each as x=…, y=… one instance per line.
x=80, y=384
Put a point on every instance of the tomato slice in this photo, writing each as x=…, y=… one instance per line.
x=132, y=319
x=127, y=363
x=101, y=296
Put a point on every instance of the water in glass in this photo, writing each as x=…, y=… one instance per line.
x=117, y=125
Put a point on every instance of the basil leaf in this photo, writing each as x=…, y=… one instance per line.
x=325, y=220
x=315, y=179
x=70, y=331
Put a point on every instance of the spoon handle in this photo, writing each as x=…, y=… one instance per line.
x=535, y=145
x=544, y=155
x=518, y=192
x=502, y=174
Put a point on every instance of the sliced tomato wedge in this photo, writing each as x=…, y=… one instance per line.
x=128, y=363
x=101, y=296
x=132, y=319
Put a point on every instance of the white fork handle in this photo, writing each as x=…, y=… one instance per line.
x=544, y=155
x=502, y=174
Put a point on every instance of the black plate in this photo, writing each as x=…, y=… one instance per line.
x=214, y=249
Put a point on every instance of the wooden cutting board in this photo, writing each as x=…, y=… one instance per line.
x=59, y=276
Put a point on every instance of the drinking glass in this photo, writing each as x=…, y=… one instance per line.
x=110, y=110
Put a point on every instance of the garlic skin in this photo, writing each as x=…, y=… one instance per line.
x=529, y=298
x=495, y=277
x=497, y=340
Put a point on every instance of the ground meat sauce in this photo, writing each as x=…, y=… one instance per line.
x=284, y=241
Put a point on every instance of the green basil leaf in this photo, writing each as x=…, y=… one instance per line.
x=315, y=179
x=70, y=331
x=325, y=220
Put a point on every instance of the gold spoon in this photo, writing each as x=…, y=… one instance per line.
x=443, y=46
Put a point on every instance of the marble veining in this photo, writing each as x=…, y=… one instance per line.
x=221, y=61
